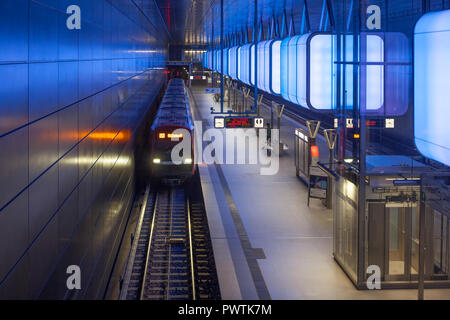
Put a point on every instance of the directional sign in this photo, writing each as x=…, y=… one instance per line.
x=370, y=123
x=219, y=123
x=259, y=123
x=212, y=90
x=390, y=123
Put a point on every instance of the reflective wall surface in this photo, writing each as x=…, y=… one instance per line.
x=70, y=101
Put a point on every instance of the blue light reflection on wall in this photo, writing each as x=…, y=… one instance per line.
x=431, y=86
x=60, y=91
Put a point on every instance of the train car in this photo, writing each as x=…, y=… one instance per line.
x=174, y=113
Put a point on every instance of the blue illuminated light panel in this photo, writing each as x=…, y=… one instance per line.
x=244, y=64
x=431, y=86
x=252, y=64
x=232, y=63
x=225, y=62
x=275, y=81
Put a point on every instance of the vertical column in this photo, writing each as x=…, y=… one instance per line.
x=221, y=57
x=213, y=56
x=255, y=42
x=362, y=144
x=422, y=213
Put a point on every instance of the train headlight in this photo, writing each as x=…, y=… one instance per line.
x=188, y=161
x=157, y=161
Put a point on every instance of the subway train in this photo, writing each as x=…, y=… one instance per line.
x=174, y=113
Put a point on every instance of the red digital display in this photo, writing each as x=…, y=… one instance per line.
x=238, y=123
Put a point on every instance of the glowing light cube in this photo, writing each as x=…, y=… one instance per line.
x=431, y=86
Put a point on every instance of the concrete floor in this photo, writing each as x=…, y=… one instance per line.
x=271, y=213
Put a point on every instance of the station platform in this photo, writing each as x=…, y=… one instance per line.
x=268, y=244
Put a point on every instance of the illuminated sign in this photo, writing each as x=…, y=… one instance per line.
x=219, y=123
x=258, y=123
x=390, y=123
x=370, y=124
x=238, y=122
x=163, y=135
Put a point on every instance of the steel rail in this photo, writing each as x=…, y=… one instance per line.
x=144, y=277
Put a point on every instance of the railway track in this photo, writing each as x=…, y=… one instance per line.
x=173, y=257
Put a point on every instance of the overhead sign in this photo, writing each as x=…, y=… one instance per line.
x=198, y=77
x=212, y=90
x=259, y=123
x=219, y=123
x=178, y=63
x=238, y=122
x=370, y=124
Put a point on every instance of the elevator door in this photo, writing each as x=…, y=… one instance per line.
x=438, y=264
x=401, y=243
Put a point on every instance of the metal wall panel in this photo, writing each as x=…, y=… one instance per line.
x=17, y=215
x=43, y=34
x=14, y=93
x=43, y=89
x=13, y=166
x=14, y=31
x=70, y=101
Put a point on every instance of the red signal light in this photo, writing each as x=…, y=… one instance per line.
x=315, y=151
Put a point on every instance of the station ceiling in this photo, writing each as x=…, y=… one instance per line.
x=193, y=22
x=197, y=22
